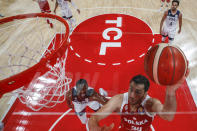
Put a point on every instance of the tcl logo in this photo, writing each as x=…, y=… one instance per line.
x=105, y=45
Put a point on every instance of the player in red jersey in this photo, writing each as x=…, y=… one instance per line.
x=44, y=7
x=136, y=108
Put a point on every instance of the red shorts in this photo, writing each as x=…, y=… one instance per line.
x=166, y=1
x=44, y=6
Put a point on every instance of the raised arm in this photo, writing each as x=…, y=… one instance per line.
x=167, y=110
x=180, y=23
x=112, y=105
x=97, y=97
x=162, y=20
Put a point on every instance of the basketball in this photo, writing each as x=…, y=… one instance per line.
x=165, y=64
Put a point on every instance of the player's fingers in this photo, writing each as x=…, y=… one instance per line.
x=187, y=72
x=108, y=128
x=111, y=126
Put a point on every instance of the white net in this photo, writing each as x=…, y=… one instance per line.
x=26, y=42
x=46, y=90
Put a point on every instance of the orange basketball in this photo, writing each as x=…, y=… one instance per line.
x=165, y=64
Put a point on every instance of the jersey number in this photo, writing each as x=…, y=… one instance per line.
x=133, y=128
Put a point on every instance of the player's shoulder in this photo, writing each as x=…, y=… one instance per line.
x=90, y=91
x=117, y=98
x=179, y=13
x=115, y=102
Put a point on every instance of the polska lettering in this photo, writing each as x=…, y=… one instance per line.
x=135, y=122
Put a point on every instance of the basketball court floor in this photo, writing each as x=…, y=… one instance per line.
x=110, y=68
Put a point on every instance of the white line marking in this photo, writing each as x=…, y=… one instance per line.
x=116, y=63
x=149, y=47
x=101, y=63
x=142, y=55
x=193, y=89
x=145, y=9
x=130, y=60
x=153, y=40
x=154, y=10
x=23, y=113
x=11, y=102
x=69, y=40
x=77, y=55
x=71, y=47
x=54, y=124
x=152, y=128
x=190, y=19
x=87, y=60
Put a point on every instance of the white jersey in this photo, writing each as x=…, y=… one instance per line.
x=172, y=19
x=89, y=93
x=65, y=9
x=125, y=102
x=63, y=4
x=80, y=105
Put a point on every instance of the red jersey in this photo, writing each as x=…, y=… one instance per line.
x=135, y=121
x=44, y=6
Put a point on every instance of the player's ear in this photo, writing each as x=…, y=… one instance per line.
x=145, y=94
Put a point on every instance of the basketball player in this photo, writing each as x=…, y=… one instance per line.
x=136, y=107
x=44, y=7
x=66, y=11
x=81, y=96
x=169, y=22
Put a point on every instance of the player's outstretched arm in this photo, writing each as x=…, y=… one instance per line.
x=170, y=105
x=167, y=110
x=112, y=105
x=97, y=97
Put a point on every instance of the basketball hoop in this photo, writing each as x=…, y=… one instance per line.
x=33, y=57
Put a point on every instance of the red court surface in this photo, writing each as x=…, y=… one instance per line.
x=122, y=55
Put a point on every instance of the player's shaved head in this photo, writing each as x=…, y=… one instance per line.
x=80, y=84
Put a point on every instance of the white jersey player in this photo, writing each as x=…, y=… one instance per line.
x=66, y=11
x=81, y=96
x=169, y=22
